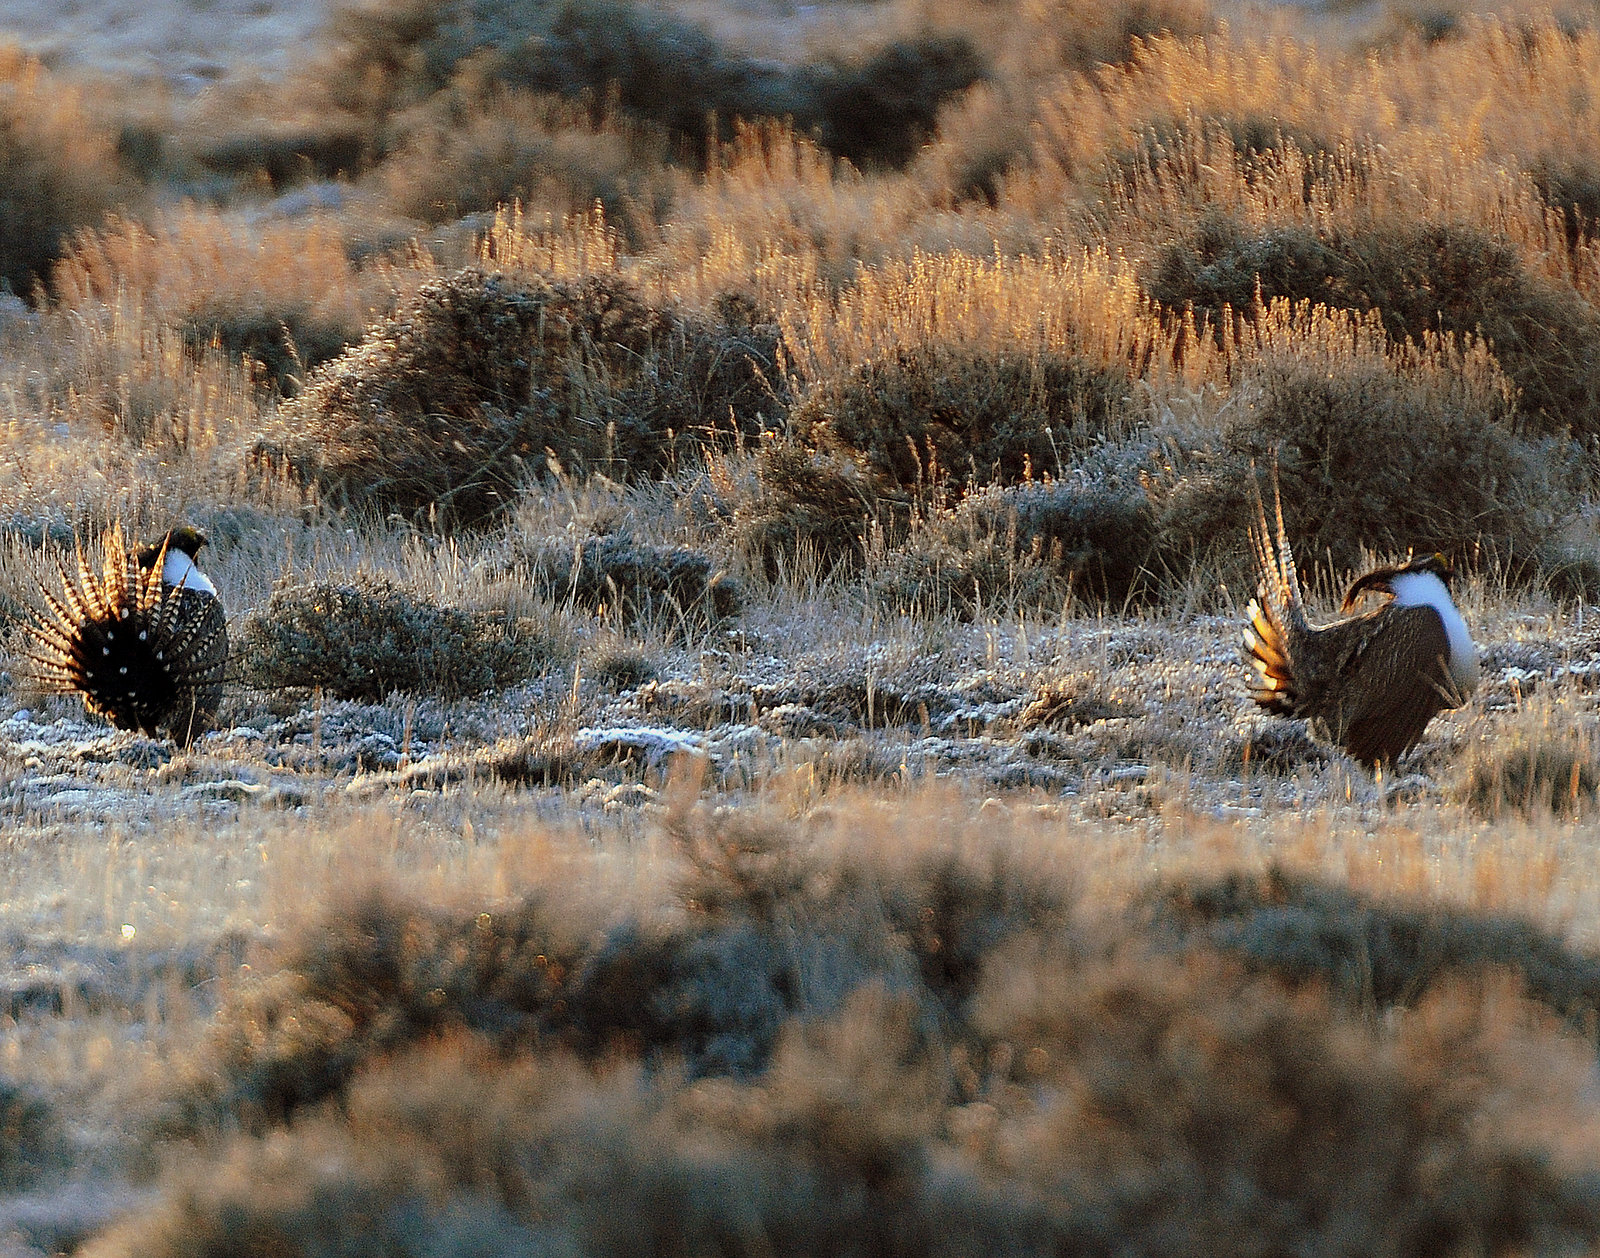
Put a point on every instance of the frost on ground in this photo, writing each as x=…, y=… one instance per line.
x=186, y=45
x=1107, y=717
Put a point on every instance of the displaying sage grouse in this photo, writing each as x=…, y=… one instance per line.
x=143, y=639
x=1372, y=681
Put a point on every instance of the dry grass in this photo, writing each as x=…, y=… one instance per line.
x=60, y=168
x=749, y=754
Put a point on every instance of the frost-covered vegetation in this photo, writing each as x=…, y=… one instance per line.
x=733, y=528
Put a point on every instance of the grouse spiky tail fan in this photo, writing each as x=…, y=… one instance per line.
x=143, y=653
x=1275, y=612
x=1372, y=681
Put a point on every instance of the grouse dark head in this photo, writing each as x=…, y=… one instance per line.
x=1381, y=580
x=143, y=651
x=185, y=539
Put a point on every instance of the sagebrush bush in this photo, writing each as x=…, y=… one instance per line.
x=878, y=112
x=636, y=579
x=279, y=155
x=938, y=417
x=1033, y=545
x=1373, y=456
x=1541, y=761
x=451, y=405
x=58, y=169
x=1176, y=1107
x=461, y=156
x=808, y=506
x=1372, y=953
x=1420, y=278
x=657, y=66
x=773, y=929
x=366, y=637
x=1162, y=1141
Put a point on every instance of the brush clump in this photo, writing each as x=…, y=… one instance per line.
x=1374, y=456
x=1373, y=954
x=921, y=1046
x=874, y=105
x=1541, y=762
x=1028, y=546
x=638, y=580
x=1421, y=279
x=937, y=417
x=483, y=378
x=368, y=636
x=801, y=508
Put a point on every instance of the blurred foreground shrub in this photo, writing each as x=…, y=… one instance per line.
x=904, y=1049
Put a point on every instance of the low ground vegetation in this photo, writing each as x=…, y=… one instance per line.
x=734, y=534
x=776, y=1032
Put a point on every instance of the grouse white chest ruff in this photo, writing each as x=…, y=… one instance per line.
x=1425, y=589
x=181, y=571
x=1372, y=681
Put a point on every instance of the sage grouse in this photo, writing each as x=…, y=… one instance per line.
x=143, y=639
x=1371, y=682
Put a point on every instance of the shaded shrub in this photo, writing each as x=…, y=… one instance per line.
x=660, y=66
x=1571, y=185
x=772, y=929
x=364, y=638
x=1536, y=763
x=58, y=169
x=32, y=1142
x=284, y=156
x=1374, y=954
x=625, y=667
x=461, y=156
x=1201, y=1109
x=1029, y=545
x=452, y=404
x=1135, y=1103
x=655, y=65
x=636, y=579
x=810, y=506
x=1422, y=278
x=373, y=975
x=1377, y=457
x=1219, y=264
x=283, y=344
x=936, y=416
